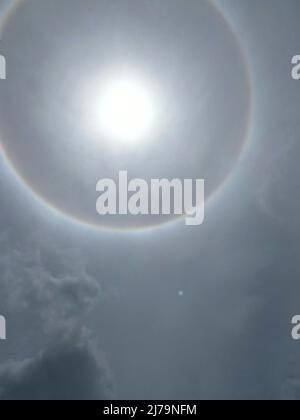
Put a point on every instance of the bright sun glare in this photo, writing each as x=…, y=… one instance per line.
x=126, y=111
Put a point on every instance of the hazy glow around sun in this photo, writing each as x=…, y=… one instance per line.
x=126, y=110
x=122, y=110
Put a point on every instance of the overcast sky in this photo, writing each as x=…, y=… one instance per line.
x=175, y=312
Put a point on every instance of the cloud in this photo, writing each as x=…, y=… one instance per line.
x=48, y=281
x=47, y=288
x=70, y=370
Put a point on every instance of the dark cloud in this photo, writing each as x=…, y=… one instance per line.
x=47, y=292
x=70, y=370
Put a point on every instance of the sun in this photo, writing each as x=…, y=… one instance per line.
x=126, y=110
x=120, y=110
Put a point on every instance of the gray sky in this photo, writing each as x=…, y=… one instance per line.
x=102, y=306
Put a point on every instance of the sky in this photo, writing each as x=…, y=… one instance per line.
x=140, y=308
